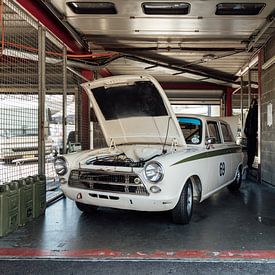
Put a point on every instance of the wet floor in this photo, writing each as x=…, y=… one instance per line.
x=244, y=220
x=260, y=200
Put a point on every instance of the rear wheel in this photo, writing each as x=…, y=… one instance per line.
x=182, y=212
x=87, y=208
x=236, y=184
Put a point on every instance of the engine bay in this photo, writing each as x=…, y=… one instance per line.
x=120, y=160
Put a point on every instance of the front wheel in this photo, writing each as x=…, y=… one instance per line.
x=182, y=212
x=86, y=208
x=236, y=184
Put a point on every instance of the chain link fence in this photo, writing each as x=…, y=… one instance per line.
x=35, y=87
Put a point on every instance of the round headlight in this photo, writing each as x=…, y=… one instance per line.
x=61, y=166
x=154, y=172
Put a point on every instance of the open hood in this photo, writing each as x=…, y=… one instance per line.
x=134, y=110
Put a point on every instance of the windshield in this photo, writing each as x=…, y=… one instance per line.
x=191, y=129
x=138, y=100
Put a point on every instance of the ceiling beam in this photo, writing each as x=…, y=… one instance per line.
x=190, y=86
x=133, y=49
x=153, y=58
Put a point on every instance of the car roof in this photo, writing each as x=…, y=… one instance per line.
x=202, y=117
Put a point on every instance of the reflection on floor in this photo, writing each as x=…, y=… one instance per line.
x=239, y=221
x=54, y=192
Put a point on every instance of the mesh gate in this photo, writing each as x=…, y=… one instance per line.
x=33, y=86
x=54, y=81
x=18, y=94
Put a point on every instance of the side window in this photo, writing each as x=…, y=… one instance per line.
x=226, y=132
x=213, y=131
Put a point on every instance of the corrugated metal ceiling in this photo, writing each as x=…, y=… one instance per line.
x=184, y=41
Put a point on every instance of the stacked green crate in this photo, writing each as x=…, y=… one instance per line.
x=39, y=195
x=3, y=209
x=25, y=200
x=9, y=202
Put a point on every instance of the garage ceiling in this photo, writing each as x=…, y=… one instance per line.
x=198, y=46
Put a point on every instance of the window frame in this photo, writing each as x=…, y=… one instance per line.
x=229, y=131
x=218, y=131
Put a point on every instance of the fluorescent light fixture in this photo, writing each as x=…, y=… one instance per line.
x=208, y=57
x=269, y=63
x=166, y=8
x=247, y=66
x=92, y=7
x=239, y=8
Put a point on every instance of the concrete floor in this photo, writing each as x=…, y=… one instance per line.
x=228, y=226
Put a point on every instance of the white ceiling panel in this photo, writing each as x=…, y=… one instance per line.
x=180, y=41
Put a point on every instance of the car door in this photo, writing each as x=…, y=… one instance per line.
x=232, y=149
x=219, y=162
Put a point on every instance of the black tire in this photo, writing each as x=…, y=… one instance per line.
x=236, y=184
x=86, y=208
x=182, y=212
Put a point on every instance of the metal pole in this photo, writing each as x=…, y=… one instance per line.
x=77, y=102
x=77, y=74
x=209, y=110
x=260, y=91
x=223, y=104
x=242, y=100
x=41, y=98
x=249, y=87
x=64, y=107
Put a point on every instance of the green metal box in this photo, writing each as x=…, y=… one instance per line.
x=25, y=200
x=4, y=189
x=9, y=202
x=39, y=195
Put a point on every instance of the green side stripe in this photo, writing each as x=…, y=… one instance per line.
x=210, y=154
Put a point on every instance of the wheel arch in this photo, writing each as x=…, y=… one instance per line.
x=240, y=167
x=197, y=187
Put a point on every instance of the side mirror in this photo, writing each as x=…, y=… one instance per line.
x=210, y=141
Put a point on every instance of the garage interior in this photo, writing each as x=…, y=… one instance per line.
x=210, y=57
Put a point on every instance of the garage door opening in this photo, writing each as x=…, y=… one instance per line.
x=198, y=109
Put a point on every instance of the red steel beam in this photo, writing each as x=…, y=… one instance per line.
x=105, y=72
x=51, y=23
x=228, y=103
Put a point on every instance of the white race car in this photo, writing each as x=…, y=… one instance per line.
x=154, y=160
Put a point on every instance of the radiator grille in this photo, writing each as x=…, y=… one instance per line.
x=115, y=182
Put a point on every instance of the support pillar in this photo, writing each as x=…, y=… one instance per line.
x=228, y=103
x=41, y=98
x=249, y=88
x=260, y=64
x=85, y=114
x=241, y=107
x=64, y=107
